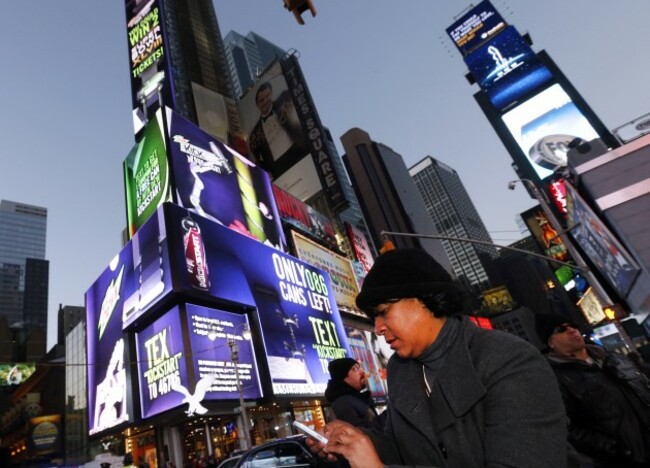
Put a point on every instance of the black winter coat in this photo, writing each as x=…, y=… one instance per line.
x=350, y=405
x=608, y=407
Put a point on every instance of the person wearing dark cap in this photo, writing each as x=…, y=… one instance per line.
x=606, y=395
x=458, y=395
x=345, y=391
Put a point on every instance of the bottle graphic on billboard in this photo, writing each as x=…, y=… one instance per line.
x=197, y=267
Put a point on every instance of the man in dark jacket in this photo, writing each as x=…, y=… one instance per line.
x=606, y=395
x=345, y=391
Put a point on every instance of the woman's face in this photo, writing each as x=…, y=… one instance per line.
x=407, y=326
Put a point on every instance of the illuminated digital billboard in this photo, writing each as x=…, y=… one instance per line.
x=475, y=27
x=164, y=380
x=340, y=269
x=150, y=71
x=217, y=183
x=304, y=217
x=146, y=175
x=544, y=125
x=373, y=353
x=545, y=234
x=599, y=244
x=283, y=128
x=295, y=302
x=506, y=68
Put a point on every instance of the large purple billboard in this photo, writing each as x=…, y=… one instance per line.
x=135, y=280
x=212, y=180
x=301, y=325
x=165, y=381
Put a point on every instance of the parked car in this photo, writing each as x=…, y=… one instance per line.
x=229, y=462
x=290, y=451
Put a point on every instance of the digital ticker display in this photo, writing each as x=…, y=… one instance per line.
x=506, y=68
x=475, y=27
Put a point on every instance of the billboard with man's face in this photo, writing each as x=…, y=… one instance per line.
x=283, y=128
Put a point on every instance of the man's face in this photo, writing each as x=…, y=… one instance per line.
x=265, y=101
x=356, y=378
x=566, y=339
x=407, y=326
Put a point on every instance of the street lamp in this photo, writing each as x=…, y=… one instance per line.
x=543, y=202
x=234, y=357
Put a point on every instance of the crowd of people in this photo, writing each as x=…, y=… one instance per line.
x=463, y=396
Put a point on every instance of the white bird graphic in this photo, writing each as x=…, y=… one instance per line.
x=194, y=401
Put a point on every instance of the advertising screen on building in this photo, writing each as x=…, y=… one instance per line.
x=506, y=68
x=475, y=27
x=15, y=373
x=544, y=125
x=147, y=58
x=163, y=377
x=283, y=127
x=297, y=310
x=340, y=269
x=599, y=244
x=133, y=282
x=215, y=182
x=210, y=332
x=373, y=353
x=545, y=234
x=270, y=119
x=361, y=248
x=46, y=434
x=146, y=175
x=304, y=217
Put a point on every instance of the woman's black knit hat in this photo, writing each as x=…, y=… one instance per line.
x=401, y=274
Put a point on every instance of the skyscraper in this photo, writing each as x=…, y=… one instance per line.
x=454, y=215
x=247, y=57
x=23, y=271
x=389, y=199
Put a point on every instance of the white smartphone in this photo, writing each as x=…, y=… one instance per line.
x=310, y=432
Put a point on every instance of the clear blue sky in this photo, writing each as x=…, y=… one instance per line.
x=384, y=66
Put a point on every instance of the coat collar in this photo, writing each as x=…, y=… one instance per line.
x=456, y=390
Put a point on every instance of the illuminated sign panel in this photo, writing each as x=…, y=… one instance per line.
x=147, y=58
x=135, y=280
x=162, y=365
x=361, y=248
x=373, y=353
x=544, y=125
x=339, y=268
x=300, y=322
x=283, y=128
x=600, y=245
x=15, y=373
x=475, y=27
x=146, y=175
x=545, y=234
x=214, y=181
x=304, y=217
x=164, y=380
x=506, y=68
x=210, y=330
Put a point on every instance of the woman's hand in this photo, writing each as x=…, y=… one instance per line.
x=353, y=444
